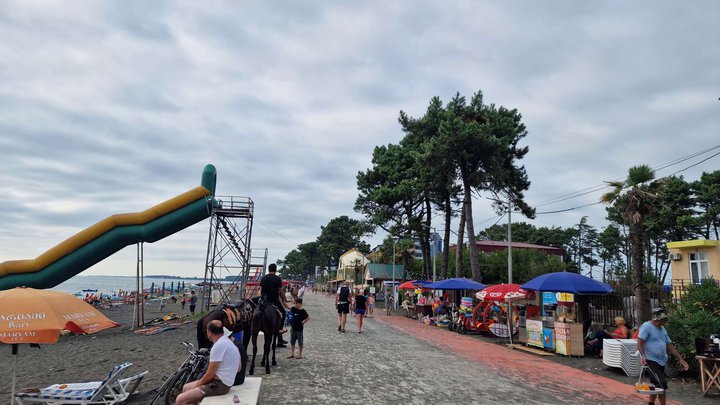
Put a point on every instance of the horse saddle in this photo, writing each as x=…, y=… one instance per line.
x=263, y=303
x=233, y=316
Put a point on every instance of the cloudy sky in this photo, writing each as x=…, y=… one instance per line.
x=110, y=107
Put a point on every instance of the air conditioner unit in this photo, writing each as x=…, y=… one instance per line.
x=675, y=256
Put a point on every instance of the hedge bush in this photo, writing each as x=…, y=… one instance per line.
x=696, y=315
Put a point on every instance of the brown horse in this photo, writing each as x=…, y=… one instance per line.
x=235, y=317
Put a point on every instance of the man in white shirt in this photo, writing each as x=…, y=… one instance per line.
x=220, y=375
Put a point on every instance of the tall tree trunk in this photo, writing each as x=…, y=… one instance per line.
x=446, y=239
x=472, y=247
x=428, y=264
x=665, y=272
x=427, y=260
x=604, y=264
x=637, y=251
x=460, y=244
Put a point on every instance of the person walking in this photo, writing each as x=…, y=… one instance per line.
x=371, y=305
x=193, y=302
x=653, y=345
x=301, y=292
x=360, y=309
x=342, y=303
x=299, y=318
x=352, y=303
x=389, y=300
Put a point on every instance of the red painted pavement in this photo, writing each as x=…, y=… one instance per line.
x=540, y=374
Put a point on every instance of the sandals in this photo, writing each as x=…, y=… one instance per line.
x=290, y=357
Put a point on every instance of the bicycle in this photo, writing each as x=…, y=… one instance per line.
x=190, y=370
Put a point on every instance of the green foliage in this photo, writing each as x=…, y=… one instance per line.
x=527, y=264
x=707, y=197
x=338, y=236
x=696, y=315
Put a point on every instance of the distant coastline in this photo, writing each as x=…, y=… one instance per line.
x=146, y=276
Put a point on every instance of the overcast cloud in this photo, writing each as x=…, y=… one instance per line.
x=110, y=107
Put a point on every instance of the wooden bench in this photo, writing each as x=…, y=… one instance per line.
x=248, y=393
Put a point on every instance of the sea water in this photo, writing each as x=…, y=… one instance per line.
x=114, y=284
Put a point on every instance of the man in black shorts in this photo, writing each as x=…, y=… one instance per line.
x=342, y=303
x=271, y=290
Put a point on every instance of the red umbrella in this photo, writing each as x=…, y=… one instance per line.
x=408, y=285
x=503, y=293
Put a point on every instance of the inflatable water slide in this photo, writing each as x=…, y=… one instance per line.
x=99, y=241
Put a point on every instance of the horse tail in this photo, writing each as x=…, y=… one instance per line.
x=201, y=336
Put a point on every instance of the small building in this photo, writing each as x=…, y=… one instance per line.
x=693, y=261
x=376, y=273
x=350, y=265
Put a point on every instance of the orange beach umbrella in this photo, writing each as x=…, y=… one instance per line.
x=28, y=315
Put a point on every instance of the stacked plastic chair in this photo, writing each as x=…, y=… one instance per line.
x=613, y=353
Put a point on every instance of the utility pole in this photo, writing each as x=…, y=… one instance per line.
x=433, y=254
x=510, y=275
x=510, y=278
x=393, y=279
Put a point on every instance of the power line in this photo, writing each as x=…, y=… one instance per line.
x=600, y=202
x=276, y=233
x=603, y=186
x=693, y=165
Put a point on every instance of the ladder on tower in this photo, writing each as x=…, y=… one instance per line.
x=255, y=273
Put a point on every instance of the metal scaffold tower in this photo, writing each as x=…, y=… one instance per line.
x=228, y=251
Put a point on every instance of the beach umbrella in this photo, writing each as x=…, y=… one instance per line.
x=503, y=293
x=456, y=284
x=35, y=316
x=411, y=285
x=564, y=281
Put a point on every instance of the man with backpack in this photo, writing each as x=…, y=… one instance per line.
x=342, y=303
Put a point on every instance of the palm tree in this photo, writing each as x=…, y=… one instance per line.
x=636, y=197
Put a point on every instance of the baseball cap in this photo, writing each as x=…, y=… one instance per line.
x=659, y=314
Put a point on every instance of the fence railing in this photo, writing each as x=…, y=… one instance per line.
x=604, y=308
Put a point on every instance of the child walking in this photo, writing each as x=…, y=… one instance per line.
x=299, y=319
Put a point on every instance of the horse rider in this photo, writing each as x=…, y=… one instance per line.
x=271, y=290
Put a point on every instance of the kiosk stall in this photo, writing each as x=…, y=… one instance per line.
x=557, y=327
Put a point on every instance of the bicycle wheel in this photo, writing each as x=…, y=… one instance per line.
x=198, y=370
x=175, y=385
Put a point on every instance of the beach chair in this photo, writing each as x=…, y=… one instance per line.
x=112, y=390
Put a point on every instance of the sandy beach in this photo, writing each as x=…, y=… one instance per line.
x=90, y=357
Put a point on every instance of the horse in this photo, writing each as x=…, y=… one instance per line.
x=267, y=319
x=235, y=317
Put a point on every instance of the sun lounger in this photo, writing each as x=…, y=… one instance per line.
x=112, y=390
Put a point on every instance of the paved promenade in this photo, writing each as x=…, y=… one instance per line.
x=396, y=360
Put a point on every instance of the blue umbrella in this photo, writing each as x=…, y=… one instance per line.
x=564, y=281
x=456, y=284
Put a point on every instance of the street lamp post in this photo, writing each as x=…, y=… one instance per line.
x=433, y=254
x=393, y=278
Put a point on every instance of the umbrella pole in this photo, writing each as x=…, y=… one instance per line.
x=14, y=377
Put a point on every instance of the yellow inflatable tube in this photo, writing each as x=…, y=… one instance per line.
x=88, y=234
